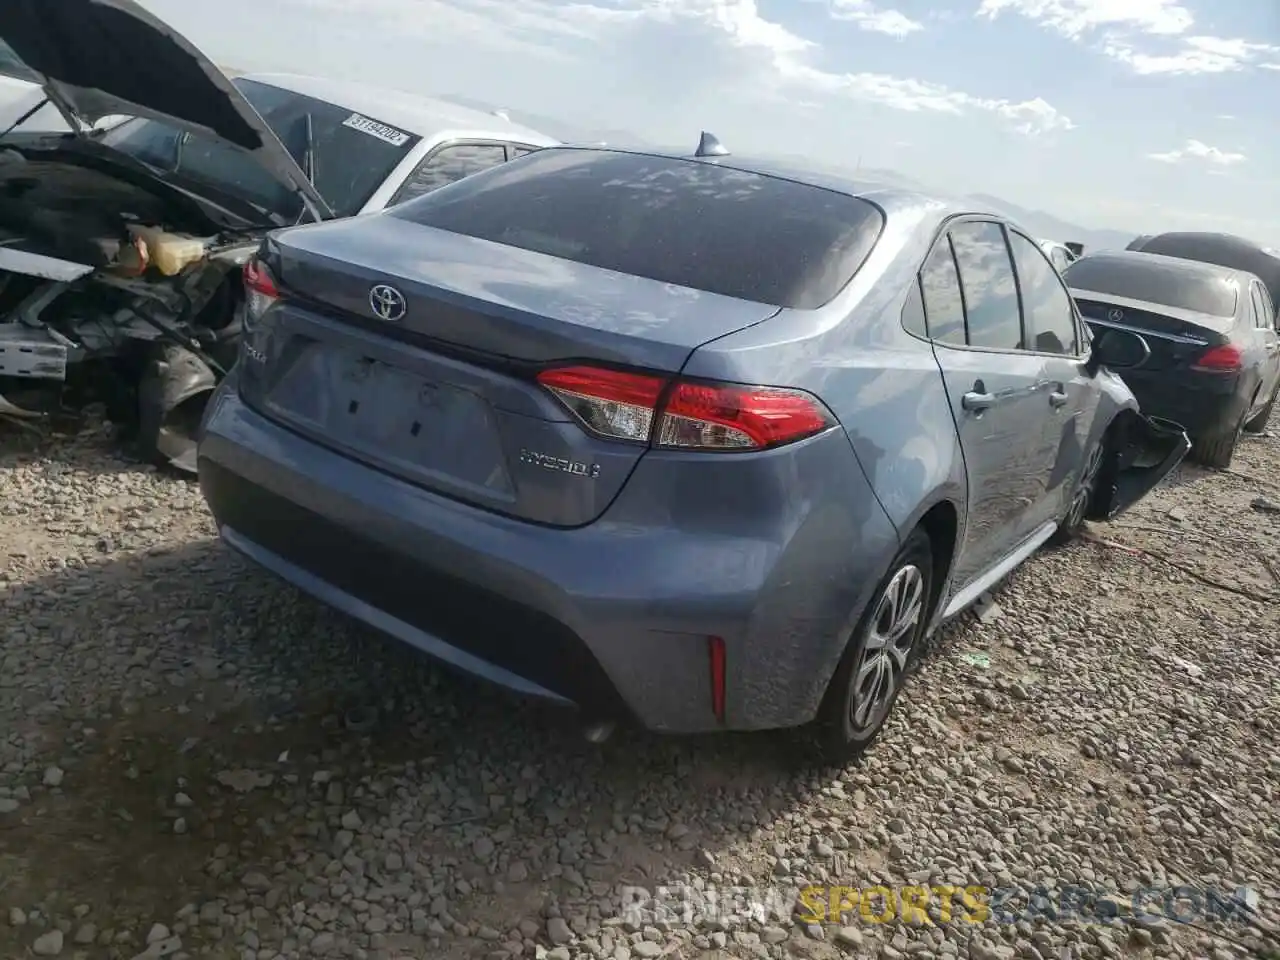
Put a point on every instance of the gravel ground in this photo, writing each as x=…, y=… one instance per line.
x=197, y=761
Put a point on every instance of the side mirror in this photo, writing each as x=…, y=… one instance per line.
x=1118, y=350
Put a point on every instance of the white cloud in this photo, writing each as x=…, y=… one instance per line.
x=744, y=26
x=1196, y=150
x=1076, y=18
x=560, y=30
x=527, y=26
x=1198, y=55
x=871, y=18
x=1123, y=28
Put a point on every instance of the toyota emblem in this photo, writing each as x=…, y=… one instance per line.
x=386, y=302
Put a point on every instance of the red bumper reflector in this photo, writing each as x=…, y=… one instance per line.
x=715, y=652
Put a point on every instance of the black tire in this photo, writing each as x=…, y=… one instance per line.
x=1216, y=452
x=1082, y=496
x=842, y=737
x=1259, y=423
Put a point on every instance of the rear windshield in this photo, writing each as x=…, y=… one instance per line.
x=353, y=154
x=683, y=222
x=1170, y=285
x=1225, y=251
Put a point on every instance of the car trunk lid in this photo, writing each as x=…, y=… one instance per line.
x=99, y=58
x=1175, y=336
x=445, y=395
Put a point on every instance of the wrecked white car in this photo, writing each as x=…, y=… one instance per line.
x=121, y=240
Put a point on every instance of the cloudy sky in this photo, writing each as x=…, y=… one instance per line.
x=1141, y=115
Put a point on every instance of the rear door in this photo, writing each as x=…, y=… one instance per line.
x=1053, y=337
x=998, y=392
x=1265, y=322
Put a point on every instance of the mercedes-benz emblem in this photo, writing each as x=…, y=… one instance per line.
x=386, y=302
x=1115, y=314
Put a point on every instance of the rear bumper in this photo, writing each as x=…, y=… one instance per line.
x=1205, y=405
x=613, y=617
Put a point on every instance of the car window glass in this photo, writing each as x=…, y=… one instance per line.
x=1273, y=318
x=154, y=143
x=1262, y=315
x=1059, y=258
x=1046, y=306
x=520, y=149
x=673, y=220
x=986, y=277
x=352, y=154
x=943, y=305
x=449, y=164
x=913, y=320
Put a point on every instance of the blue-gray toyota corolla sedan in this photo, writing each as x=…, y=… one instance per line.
x=706, y=443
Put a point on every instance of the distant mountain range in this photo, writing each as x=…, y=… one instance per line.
x=1045, y=226
x=1048, y=227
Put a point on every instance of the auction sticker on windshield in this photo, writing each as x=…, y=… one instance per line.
x=375, y=129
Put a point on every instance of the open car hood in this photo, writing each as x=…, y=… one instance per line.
x=97, y=58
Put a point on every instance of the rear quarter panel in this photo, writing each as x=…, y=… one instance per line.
x=882, y=383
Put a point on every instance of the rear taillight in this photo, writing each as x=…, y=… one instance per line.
x=686, y=414
x=1223, y=359
x=260, y=289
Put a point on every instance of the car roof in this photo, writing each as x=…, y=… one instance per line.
x=424, y=116
x=888, y=196
x=1222, y=241
x=1206, y=271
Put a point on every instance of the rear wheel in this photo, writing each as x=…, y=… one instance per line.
x=881, y=652
x=1082, y=496
x=1259, y=423
x=1217, y=452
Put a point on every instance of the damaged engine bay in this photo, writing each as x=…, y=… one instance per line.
x=114, y=288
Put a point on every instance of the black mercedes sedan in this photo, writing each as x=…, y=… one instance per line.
x=1214, y=365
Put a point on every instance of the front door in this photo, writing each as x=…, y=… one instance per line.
x=999, y=394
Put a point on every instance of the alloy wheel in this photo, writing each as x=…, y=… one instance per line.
x=1084, y=489
x=886, y=651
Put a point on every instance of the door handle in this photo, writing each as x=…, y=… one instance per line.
x=1058, y=398
x=976, y=402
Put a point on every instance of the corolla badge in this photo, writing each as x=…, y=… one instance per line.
x=386, y=302
x=575, y=468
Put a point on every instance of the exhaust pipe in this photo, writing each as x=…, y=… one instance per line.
x=599, y=731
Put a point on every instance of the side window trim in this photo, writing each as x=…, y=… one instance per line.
x=964, y=302
x=1271, y=308
x=916, y=287
x=917, y=281
x=944, y=236
x=1075, y=316
x=1017, y=289
x=437, y=150
x=1262, y=308
x=1013, y=269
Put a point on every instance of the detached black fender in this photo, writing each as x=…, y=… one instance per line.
x=1141, y=452
x=170, y=392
